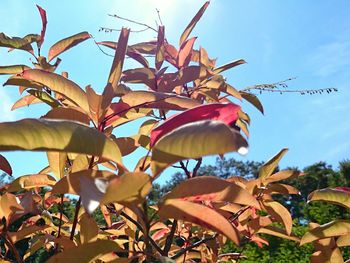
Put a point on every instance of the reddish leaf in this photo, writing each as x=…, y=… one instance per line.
x=5, y=165
x=227, y=66
x=67, y=43
x=200, y=215
x=25, y=101
x=44, y=22
x=193, y=23
x=185, y=52
x=227, y=113
x=160, y=48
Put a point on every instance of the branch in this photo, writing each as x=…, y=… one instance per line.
x=134, y=22
x=198, y=165
x=139, y=226
x=196, y=244
x=169, y=239
x=184, y=167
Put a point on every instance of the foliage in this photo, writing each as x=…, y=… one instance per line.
x=195, y=220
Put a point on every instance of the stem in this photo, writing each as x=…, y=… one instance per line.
x=196, y=244
x=138, y=225
x=198, y=165
x=184, y=167
x=134, y=22
x=61, y=215
x=77, y=208
x=169, y=239
x=12, y=247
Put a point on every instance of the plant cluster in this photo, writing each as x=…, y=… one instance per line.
x=191, y=223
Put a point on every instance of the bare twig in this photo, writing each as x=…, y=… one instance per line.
x=159, y=18
x=108, y=30
x=75, y=221
x=134, y=22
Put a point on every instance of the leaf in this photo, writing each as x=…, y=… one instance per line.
x=252, y=99
x=280, y=213
x=44, y=23
x=158, y=100
x=282, y=189
x=9, y=205
x=227, y=66
x=140, y=75
x=5, y=165
x=343, y=241
x=194, y=140
x=227, y=113
x=200, y=215
x=160, y=47
x=31, y=181
x=69, y=114
x=126, y=145
x=44, y=97
x=17, y=80
x=71, y=184
x=118, y=61
x=281, y=175
x=210, y=188
x=88, y=229
x=13, y=69
x=25, y=101
x=331, y=229
x=26, y=232
x=193, y=23
x=59, y=84
x=185, y=52
x=274, y=231
x=43, y=135
x=16, y=43
x=57, y=162
x=97, y=110
x=88, y=252
x=331, y=195
x=128, y=188
x=67, y=43
x=268, y=168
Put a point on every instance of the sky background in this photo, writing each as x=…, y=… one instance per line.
x=309, y=40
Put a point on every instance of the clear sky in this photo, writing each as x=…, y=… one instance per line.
x=309, y=40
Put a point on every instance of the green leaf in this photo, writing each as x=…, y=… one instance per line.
x=193, y=23
x=15, y=42
x=64, y=136
x=331, y=229
x=60, y=84
x=88, y=252
x=195, y=140
x=330, y=195
x=210, y=188
x=200, y=215
x=44, y=97
x=267, y=168
x=252, y=99
x=31, y=181
x=13, y=69
x=67, y=43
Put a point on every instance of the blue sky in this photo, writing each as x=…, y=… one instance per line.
x=309, y=40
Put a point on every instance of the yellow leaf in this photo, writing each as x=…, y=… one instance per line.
x=88, y=229
x=31, y=181
x=267, y=168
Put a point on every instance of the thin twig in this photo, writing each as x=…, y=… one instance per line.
x=184, y=168
x=170, y=237
x=160, y=19
x=75, y=221
x=195, y=169
x=134, y=22
x=108, y=30
x=194, y=245
x=61, y=215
